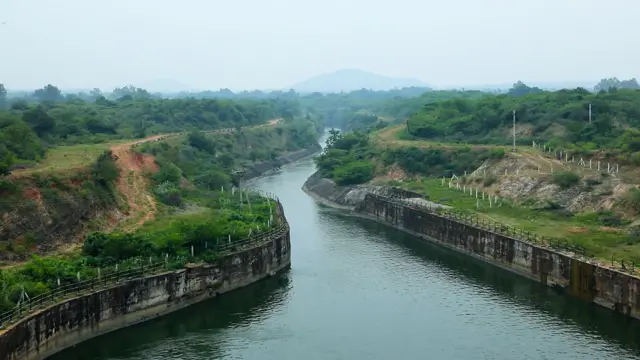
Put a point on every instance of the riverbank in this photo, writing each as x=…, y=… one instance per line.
x=138, y=299
x=113, y=302
x=265, y=168
x=406, y=211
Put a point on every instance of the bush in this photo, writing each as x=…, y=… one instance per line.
x=168, y=193
x=354, y=173
x=168, y=173
x=105, y=171
x=565, y=179
x=496, y=154
x=213, y=180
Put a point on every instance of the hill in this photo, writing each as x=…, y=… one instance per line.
x=571, y=203
x=353, y=79
x=557, y=119
x=70, y=167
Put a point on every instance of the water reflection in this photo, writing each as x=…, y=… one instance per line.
x=206, y=319
x=360, y=290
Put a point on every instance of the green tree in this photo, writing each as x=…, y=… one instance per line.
x=39, y=120
x=6, y=160
x=3, y=97
x=48, y=93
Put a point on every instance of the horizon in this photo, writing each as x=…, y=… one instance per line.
x=278, y=44
x=590, y=83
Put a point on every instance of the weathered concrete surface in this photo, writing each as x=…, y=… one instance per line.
x=350, y=197
x=71, y=322
x=609, y=288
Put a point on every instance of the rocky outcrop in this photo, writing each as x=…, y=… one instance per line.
x=351, y=197
x=525, y=177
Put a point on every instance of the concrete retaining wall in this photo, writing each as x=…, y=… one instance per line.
x=615, y=290
x=73, y=321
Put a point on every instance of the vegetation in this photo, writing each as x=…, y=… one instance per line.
x=77, y=142
x=364, y=109
x=37, y=208
x=439, y=162
x=29, y=129
x=566, y=179
x=614, y=83
x=226, y=218
x=560, y=119
x=209, y=161
x=595, y=232
x=352, y=158
x=347, y=158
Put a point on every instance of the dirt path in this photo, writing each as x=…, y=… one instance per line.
x=134, y=185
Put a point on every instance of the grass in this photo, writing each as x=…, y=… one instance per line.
x=73, y=157
x=397, y=136
x=63, y=158
x=585, y=230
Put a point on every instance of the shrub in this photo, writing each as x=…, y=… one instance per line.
x=354, y=173
x=105, y=171
x=565, y=179
x=168, y=193
x=168, y=173
x=496, y=154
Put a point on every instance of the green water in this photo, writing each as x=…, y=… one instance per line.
x=359, y=290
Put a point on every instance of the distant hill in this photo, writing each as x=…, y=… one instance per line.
x=353, y=79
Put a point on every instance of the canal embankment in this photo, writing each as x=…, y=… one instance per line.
x=131, y=300
x=505, y=247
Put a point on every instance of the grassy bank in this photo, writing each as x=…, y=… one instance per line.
x=215, y=218
x=596, y=232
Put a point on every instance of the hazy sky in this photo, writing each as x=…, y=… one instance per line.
x=275, y=43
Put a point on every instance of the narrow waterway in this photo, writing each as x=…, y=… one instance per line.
x=358, y=290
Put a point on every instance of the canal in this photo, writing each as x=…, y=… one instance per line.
x=358, y=290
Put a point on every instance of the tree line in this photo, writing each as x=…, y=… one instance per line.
x=28, y=128
x=560, y=119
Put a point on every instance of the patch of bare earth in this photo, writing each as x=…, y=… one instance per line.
x=132, y=184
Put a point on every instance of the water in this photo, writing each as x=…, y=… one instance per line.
x=358, y=290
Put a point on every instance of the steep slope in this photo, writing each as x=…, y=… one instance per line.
x=50, y=209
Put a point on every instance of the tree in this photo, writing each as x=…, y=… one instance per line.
x=48, y=93
x=39, y=120
x=3, y=97
x=614, y=83
x=6, y=160
x=521, y=89
x=95, y=93
x=130, y=92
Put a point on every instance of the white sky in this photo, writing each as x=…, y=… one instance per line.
x=247, y=44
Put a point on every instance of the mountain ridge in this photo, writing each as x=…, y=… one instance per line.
x=354, y=79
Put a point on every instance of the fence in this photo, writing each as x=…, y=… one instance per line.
x=472, y=219
x=107, y=278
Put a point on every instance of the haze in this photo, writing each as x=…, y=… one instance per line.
x=251, y=44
